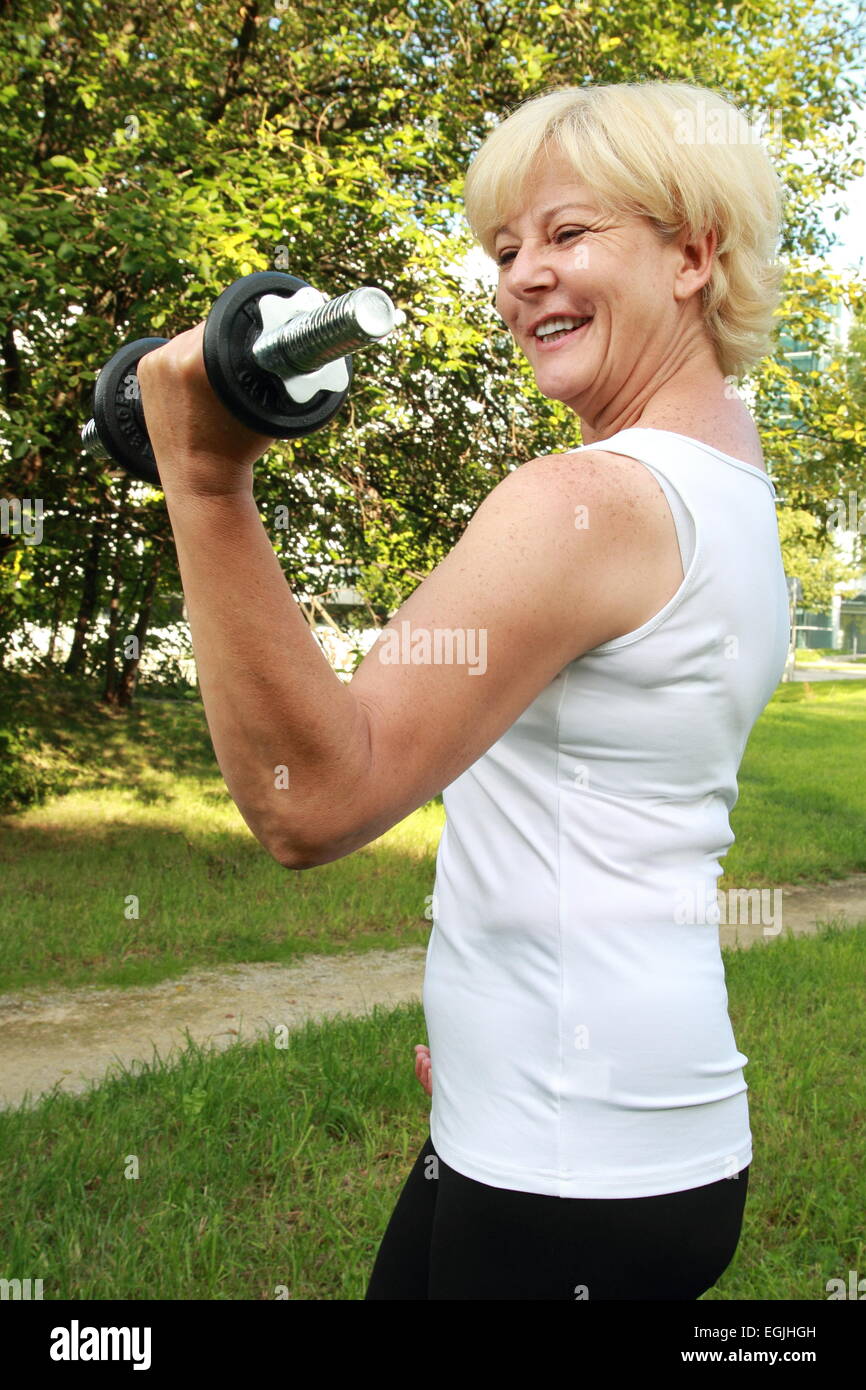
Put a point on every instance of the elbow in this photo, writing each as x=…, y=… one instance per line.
x=295, y=857
x=337, y=819
x=311, y=855
x=288, y=853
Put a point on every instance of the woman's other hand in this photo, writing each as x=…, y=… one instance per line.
x=423, y=1070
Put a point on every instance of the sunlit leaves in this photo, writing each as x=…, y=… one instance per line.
x=154, y=153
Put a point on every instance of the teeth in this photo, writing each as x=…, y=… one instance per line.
x=556, y=326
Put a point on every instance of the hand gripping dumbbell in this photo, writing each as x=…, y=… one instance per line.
x=276, y=352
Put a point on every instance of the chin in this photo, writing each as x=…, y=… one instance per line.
x=565, y=394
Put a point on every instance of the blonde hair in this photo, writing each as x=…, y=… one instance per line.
x=677, y=154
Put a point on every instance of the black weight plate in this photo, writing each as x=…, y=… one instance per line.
x=118, y=414
x=256, y=397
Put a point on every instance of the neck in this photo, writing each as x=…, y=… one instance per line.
x=677, y=394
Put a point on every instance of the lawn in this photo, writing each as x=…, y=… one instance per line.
x=270, y=1170
x=144, y=868
x=266, y=1171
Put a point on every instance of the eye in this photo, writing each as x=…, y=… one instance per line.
x=506, y=257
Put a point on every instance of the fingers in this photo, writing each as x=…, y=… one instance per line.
x=423, y=1067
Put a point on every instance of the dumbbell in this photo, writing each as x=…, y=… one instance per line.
x=276, y=352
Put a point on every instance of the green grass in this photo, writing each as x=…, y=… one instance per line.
x=801, y=813
x=204, y=891
x=261, y=1168
x=146, y=816
x=813, y=656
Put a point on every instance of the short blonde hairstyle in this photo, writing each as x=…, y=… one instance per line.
x=677, y=154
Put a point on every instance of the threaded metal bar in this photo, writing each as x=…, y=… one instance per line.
x=342, y=326
x=91, y=442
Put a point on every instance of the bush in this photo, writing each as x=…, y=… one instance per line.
x=22, y=781
x=168, y=681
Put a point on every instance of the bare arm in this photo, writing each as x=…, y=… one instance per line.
x=318, y=768
x=272, y=700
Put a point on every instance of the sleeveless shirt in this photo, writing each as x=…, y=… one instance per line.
x=574, y=991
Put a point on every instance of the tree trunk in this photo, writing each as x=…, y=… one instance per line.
x=109, y=690
x=89, y=596
x=129, y=674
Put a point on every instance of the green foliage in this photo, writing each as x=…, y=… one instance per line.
x=152, y=154
x=24, y=781
x=58, y=736
x=809, y=554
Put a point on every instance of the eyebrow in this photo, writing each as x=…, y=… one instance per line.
x=550, y=212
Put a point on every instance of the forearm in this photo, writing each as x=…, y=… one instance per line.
x=271, y=698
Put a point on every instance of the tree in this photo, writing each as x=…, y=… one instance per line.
x=155, y=153
x=810, y=556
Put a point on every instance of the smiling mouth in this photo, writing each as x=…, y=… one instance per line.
x=554, y=339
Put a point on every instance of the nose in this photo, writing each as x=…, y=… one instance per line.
x=530, y=269
x=526, y=279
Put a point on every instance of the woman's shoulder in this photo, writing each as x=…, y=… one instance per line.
x=613, y=497
x=604, y=474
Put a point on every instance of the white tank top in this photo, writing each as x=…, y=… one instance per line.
x=574, y=990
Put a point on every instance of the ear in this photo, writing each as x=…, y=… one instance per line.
x=696, y=264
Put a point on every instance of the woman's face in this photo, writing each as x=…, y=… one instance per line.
x=561, y=257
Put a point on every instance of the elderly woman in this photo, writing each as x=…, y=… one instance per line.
x=589, y=1130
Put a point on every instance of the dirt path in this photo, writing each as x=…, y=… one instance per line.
x=72, y=1037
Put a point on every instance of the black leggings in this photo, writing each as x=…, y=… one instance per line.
x=454, y=1238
